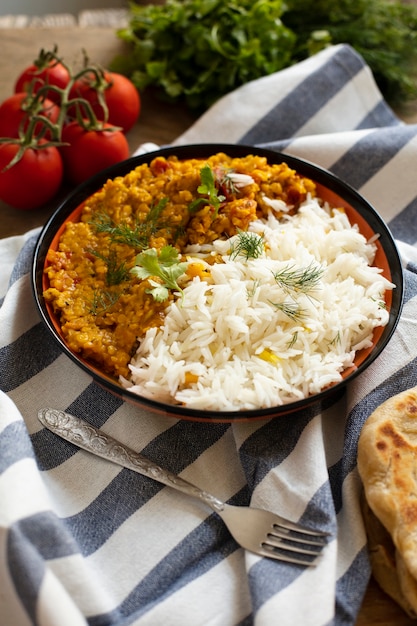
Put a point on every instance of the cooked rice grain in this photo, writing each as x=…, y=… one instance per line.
x=230, y=343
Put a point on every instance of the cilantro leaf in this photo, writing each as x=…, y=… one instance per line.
x=166, y=266
x=159, y=292
x=207, y=188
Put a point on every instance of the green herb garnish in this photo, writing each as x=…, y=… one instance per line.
x=301, y=280
x=136, y=237
x=103, y=301
x=166, y=266
x=336, y=339
x=250, y=292
x=116, y=272
x=227, y=181
x=247, y=244
x=381, y=302
x=290, y=309
x=293, y=340
x=207, y=188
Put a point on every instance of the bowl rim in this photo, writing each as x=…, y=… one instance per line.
x=324, y=178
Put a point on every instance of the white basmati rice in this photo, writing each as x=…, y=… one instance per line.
x=227, y=345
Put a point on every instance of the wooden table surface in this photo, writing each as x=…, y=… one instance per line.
x=159, y=123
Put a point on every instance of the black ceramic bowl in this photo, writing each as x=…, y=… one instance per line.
x=330, y=188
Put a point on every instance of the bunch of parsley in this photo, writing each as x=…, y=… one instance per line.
x=384, y=32
x=198, y=50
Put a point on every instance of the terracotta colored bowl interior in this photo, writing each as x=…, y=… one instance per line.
x=381, y=261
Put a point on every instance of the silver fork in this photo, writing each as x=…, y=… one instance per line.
x=257, y=530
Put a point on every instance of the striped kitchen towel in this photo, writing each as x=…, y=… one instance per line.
x=86, y=542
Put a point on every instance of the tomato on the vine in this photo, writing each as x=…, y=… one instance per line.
x=121, y=97
x=33, y=78
x=13, y=117
x=31, y=170
x=90, y=151
x=34, y=179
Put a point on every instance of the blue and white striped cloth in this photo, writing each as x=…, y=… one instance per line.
x=83, y=541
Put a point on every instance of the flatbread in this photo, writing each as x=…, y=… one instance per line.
x=387, y=464
x=387, y=564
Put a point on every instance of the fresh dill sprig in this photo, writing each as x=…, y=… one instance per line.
x=116, y=272
x=178, y=233
x=380, y=301
x=207, y=188
x=291, y=309
x=255, y=285
x=156, y=210
x=247, y=244
x=226, y=180
x=136, y=237
x=300, y=280
x=231, y=181
x=293, y=340
x=336, y=339
x=103, y=301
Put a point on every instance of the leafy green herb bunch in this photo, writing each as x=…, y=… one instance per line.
x=199, y=50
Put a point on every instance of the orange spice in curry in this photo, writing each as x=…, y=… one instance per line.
x=102, y=309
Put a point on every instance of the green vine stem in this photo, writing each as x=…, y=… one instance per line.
x=34, y=134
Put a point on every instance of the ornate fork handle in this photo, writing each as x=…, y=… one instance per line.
x=87, y=437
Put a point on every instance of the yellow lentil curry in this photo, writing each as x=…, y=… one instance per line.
x=102, y=308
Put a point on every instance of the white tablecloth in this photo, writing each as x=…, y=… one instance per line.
x=83, y=541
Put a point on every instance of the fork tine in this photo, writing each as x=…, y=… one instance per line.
x=311, y=539
x=249, y=526
x=289, y=545
x=288, y=557
x=298, y=528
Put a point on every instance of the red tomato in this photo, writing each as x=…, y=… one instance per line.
x=121, y=97
x=32, y=181
x=12, y=115
x=90, y=151
x=32, y=79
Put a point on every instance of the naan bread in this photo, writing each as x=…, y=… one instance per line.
x=387, y=464
x=387, y=563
